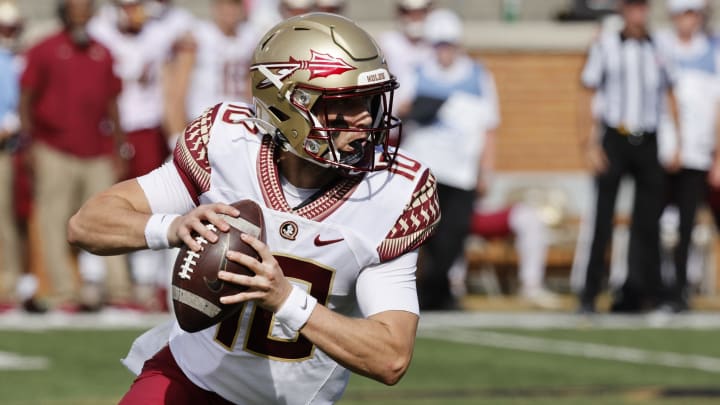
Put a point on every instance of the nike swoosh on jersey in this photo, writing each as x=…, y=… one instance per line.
x=320, y=242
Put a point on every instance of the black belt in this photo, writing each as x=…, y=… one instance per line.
x=634, y=137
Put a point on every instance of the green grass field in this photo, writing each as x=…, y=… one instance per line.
x=452, y=365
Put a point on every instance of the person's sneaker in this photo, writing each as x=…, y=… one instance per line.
x=674, y=307
x=541, y=298
x=33, y=306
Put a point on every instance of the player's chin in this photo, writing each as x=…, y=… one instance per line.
x=355, y=151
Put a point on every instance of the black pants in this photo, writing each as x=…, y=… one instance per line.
x=685, y=189
x=440, y=251
x=640, y=161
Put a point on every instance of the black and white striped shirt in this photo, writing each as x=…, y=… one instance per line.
x=631, y=79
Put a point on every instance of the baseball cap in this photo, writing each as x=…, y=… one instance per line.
x=443, y=26
x=680, y=6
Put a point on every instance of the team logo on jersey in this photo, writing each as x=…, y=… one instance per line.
x=319, y=65
x=289, y=230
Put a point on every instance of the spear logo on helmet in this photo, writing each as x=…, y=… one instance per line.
x=319, y=65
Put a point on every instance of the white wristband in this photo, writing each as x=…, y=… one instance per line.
x=156, y=230
x=296, y=309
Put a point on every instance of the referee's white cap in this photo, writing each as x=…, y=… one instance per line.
x=681, y=6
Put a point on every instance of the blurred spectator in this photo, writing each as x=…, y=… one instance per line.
x=143, y=39
x=221, y=62
x=523, y=223
x=68, y=107
x=405, y=48
x=264, y=14
x=10, y=235
x=626, y=71
x=330, y=6
x=695, y=59
x=172, y=28
x=451, y=128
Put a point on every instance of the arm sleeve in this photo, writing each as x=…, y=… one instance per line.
x=389, y=286
x=592, y=74
x=165, y=190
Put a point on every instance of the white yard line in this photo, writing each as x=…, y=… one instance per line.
x=112, y=319
x=108, y=319
x=573, y=348
x=14, y=361
x=560, y=320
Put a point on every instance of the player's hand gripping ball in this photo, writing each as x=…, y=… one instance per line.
x=196, y=289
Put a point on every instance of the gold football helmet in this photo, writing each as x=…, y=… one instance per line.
x=309, y=61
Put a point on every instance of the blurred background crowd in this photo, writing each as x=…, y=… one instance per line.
x=573, y=140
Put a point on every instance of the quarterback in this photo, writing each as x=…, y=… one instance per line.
x=334, y=290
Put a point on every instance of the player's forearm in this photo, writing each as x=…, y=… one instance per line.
x=370, y=347
x=110, y=223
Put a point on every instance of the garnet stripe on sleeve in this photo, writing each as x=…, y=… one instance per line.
x=191, y=154
x=417, y=222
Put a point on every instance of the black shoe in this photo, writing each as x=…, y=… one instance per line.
x=625, y=307
x=33, y=306
x=675, y=306
x=586, y=308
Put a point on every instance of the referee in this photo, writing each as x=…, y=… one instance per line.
x=629, y=83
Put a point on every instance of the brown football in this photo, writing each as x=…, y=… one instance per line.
x=196, y=289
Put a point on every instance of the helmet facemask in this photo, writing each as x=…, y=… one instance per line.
x=331, y=135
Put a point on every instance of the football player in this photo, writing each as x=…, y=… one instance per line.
x=220, y=63
x=344, y=213
x=142, y=39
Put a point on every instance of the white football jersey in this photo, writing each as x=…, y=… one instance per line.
x=139, y=59
x=221, y=67
x=359, y=224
